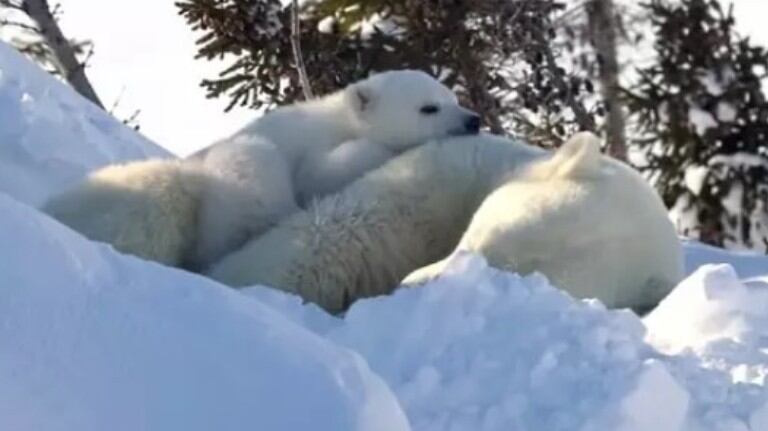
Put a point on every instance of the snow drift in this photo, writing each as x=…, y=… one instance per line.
x=94, y=340
x=481, y=349
x=50, y=136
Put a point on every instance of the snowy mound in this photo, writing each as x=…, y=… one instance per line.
x=719, y=322
x=480, y=349
x=94, y=340
x=746, y=264
x=50, y=136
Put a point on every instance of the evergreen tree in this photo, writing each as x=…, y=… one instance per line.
x=498, y=55
x=704, y=119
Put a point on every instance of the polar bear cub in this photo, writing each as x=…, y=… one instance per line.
x=189, y=213
x=146, y=208
x=591, y=224
x=329, y=141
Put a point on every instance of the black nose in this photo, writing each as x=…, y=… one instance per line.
x=472, y=124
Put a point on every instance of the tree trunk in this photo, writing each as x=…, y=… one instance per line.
x=602, y=28
x=71, y=69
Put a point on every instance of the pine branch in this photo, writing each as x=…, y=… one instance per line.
x=585, y=121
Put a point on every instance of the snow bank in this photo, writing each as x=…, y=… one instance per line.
x=714, y=326
x=480, y=349
x=712, y=305
x=94, y=340
x=50, y=136
x=719, y=322
x=746, y=264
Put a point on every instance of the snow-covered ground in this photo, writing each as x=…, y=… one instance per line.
x=49, y=136
x=482, y=349
x=91, y=339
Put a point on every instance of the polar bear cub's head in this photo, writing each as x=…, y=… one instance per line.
x=403, y=108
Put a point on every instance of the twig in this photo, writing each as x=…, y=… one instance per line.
x=298, y=58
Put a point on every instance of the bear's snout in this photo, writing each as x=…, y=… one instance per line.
x=472, y=124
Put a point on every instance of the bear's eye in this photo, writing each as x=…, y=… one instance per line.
x=429, y=109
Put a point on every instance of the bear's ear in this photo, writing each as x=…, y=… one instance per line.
x=362, y=96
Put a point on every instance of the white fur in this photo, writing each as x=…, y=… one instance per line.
x=180, y=213
x=189, y=213
x=146, y=208
x=330, y=172
x=591, y=224
x=362, y=241
x=247, y=191
x=379, y=117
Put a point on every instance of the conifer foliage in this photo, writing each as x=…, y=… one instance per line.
x=703, y=119
x=496, y=54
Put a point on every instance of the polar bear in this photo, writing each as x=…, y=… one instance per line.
x=329, y=141
x=145, y=208
x=152, y=208
x=362, y=241
x=189, y=213
x=591, y=224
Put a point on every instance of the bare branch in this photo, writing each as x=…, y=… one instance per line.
x=297, y=55
x=88, y=55
x=63, y=52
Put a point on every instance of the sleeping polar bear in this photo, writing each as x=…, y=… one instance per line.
x=329, y=141
x=189, y=213
x=151, y=208
x=587, y=221
x=144, y=208
x=591, y=224
x=363, y=240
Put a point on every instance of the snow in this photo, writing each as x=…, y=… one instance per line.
x=712, y=83
x=727, y=326
x=657, y=403
x=695, y=177
x=739, y=159
x=726, y=112
x=748, y=265
x=50, y=136
x=757, y=220
x=99, y=340
x=480, y=349
x=92, y=339
x=759, y=419
x=727, y=309
x=701, y=120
